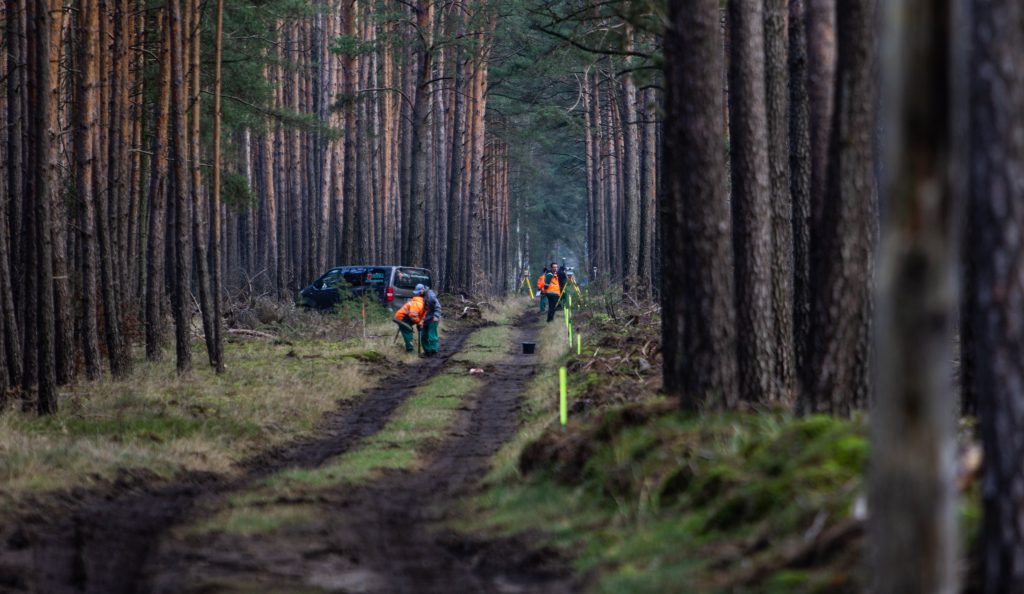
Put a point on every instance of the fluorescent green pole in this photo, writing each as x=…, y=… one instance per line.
x=563, y=406
x=579, y=344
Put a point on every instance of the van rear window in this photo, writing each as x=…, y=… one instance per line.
x=408, y=278
x=361, y=277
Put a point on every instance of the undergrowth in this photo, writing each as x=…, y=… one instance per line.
x=644, y=498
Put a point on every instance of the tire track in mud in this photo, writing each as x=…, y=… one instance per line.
x=107, y=542
x=388, y=537
x=398, y=519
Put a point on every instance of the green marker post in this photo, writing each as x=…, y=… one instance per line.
x=579, y=344
x=563, y=405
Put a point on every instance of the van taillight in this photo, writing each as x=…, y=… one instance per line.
x=389, y=295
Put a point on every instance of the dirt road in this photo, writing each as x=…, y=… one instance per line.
x=384, y=537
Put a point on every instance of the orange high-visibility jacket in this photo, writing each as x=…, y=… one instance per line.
x=553, y=286
x=412, y=312
x=540, y=281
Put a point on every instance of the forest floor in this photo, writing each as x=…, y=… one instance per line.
x=355, y=503
x=320, y=465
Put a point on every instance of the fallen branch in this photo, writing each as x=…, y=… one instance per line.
x=251, y=333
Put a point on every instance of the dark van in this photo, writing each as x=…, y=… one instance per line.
x=390, y=285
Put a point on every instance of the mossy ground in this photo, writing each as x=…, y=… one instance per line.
x=644, y=498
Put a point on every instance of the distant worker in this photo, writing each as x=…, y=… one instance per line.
x=409, y=316
x=431, y=318
x=552, y=290
x=540, y=289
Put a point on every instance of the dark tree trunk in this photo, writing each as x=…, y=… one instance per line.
x=842, y=303
x=698, y=319
x=648, y=190
x=800, y=185
x=996, y=255
x=821, y=87
x=912, y=526
x=16, y=95
x=631, y=178
x=182, y=305
x=158, y=191
x=85, y=134
x=777, y=102
x=46, y=35
x=751, y=201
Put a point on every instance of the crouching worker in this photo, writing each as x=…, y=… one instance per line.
x=410, y=316
x=431, y=318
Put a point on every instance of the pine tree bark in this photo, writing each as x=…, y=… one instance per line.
x=648, y=191
x=842, y=304
x=751, y=202
x=420, y=136
x=800, y=188
x=46, y=34
x=821, y=84
x=158, y=192
x=85, y=141
x=182, y=304
x=698, y=317
x=912, y=525
x=107, y=198
x=631, y=169
x=996, y=253
x=199, y=206
x=215, y=207
x=16, y=96
x=777, y=103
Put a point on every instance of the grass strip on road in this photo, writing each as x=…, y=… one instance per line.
x=419, y=425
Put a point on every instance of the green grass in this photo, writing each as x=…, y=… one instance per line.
x=487, y=346
x=284, y=499
x=164, y=423
x=663, y=506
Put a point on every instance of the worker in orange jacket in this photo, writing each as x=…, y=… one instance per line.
x=540, y=289
x=552, y=290
x=410, y=316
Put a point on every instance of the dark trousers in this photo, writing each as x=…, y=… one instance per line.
x=552, y=302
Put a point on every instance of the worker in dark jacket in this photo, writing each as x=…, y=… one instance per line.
x=431, y=318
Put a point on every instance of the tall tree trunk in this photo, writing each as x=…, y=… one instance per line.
x=996, y=253
x=631, y=168
x=16, y=97
x=199, y=207
x=912, y=528
x=648, y=190
x=85, y=135
x=777, y=102
x=698, y=319
x=215, y=207
x=158, y=192
x=420, y=136
x=182, y=305
x=821, y=84
x=800, y=187
x=47, y=189
x=842, y=304
x=751, y=201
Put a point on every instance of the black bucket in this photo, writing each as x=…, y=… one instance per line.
x=529, y=347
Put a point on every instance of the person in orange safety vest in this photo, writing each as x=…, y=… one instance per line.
x=540, y=290
x=410, y=315
x=552, y=290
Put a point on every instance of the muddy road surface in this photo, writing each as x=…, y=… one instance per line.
x=387, y=536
